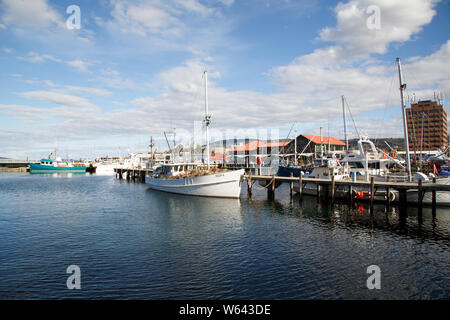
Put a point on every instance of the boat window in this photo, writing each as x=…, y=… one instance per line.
x=356, y=165
x=375, y=165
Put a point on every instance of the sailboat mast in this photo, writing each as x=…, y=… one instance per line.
x=321, y=144
x=345, y=124
x=295, y=146
x=405, y=128
x=207, y=117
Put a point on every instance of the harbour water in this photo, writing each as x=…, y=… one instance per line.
x=134, y=243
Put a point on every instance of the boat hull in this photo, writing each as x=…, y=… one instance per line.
x=442, y=197
x=39, y=168
x=218, y=185
x=105, y=170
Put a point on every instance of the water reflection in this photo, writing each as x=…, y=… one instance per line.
x=412, y=222
x=136, y=243
x=59, y=174
x=189, y=209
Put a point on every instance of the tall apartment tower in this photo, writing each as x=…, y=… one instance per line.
x=427, y=125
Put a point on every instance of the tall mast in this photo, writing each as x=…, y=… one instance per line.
x=151, y=145
x=421, y=144
x=405, y=128
x=295, y=146
x=345, y=124
x=321, y=144
x=207, y=117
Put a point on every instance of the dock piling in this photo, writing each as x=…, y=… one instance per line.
x=300, y=187
x=249, y=184
x=372, y=190
x=333, y=185
x=433, y=195
x=292, y=186
x=388, y=193
x=420, y=193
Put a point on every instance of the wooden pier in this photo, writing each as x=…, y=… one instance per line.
x=135, y=175
x=327, y=187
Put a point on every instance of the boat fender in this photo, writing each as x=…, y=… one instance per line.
x=360, y=195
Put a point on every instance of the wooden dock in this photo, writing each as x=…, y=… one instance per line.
x=135, y=175
x=327, y=187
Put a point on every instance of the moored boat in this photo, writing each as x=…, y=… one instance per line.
x=198, y=179
x=58, y=166
x=191, y=179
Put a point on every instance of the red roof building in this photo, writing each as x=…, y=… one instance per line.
x=254, y=145
x=310, y=145
x=325, y=140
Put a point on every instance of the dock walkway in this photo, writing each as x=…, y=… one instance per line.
x=331, y=185
x=325, y=187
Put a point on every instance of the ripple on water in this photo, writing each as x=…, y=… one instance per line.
x=133, y=243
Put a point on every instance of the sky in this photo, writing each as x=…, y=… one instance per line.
x=124, y=71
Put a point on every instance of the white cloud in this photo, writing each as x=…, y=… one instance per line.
x=29, y=13
x=167, y=18
x=72, y=104
x=194, y=6
x=7, y=50
x=113, y=79
x=399, y=20
x=25, y=112
x=34, y=57
x=61, y=88
x=89, y=90
x=145, y=17
x=227, y=2
x=309, y=88
x=79, y=64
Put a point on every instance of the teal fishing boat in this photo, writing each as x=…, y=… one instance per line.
x=51, y=166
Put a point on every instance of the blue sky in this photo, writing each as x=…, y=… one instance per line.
x=134, y=69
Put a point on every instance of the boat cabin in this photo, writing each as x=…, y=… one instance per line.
x=54, y=163
x=173, y=170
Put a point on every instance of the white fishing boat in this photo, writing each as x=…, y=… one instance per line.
x=197, y=179
x=326, y=168
x=193, y=180
x=367, y=160
x=105, y=169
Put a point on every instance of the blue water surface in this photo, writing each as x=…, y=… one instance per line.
x=134, y=243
